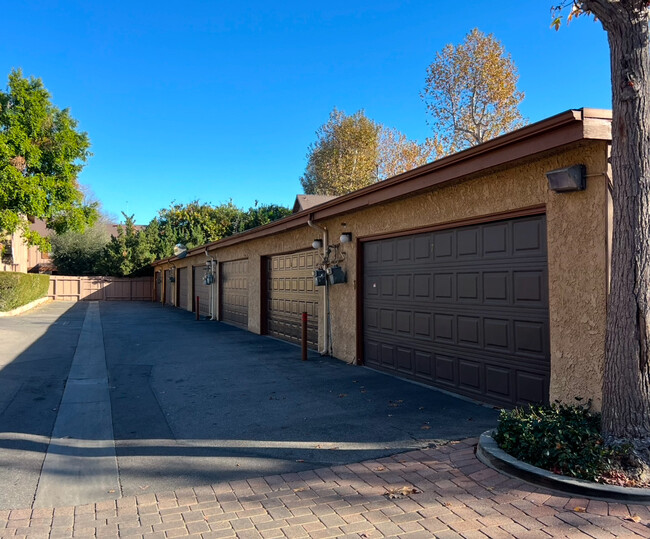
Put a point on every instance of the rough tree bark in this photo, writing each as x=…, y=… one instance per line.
x=626, y=386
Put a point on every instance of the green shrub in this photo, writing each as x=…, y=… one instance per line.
x=560, y=438
x=17, y=289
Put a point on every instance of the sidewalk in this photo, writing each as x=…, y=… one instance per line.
x=456, y=496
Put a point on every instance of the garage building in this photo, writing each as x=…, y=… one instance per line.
x=472, y=274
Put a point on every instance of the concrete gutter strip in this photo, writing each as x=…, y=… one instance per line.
x=489, y=453
x=80, y=465
x=25, y=308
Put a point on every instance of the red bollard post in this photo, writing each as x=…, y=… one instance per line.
x=304, y=336
x=197, y=308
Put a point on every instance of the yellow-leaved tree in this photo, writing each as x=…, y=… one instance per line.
x=471, y=92
x=354, y=151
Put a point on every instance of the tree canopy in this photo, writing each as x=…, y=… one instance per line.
x=41, y=155
x=471, y=92
x=354, y=151
x=80, y=253
x=130, y=252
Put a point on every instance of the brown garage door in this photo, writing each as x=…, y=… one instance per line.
x=234, y=292
x=291, y=292
x=202, y=290
x=158, y=283
x=169, y=288
x=182, y=288
x=464, y=309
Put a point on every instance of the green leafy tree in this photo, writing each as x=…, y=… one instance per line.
x=471, y=92
x=41, y=155
x=161, y=237
x=262, y=215
x=354, y=151
x=80, y=253
x=130, y=253
x=626, y=382
x=197, y=223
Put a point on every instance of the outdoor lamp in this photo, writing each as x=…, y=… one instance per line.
x=567, y=179
x=317, y=243
x=346, y=237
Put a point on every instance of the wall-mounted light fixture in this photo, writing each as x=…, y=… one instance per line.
x=317, y=243
x=346, y=237
x=567, y=179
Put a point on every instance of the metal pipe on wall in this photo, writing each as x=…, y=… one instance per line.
x=327, y=341
x=211, y=260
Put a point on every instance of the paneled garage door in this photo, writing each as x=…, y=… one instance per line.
x=182, y=288
x=202, y=290
x=159, y=285
x=234, y=292
x=463, y=309
x=169, y=288
x=291, y=292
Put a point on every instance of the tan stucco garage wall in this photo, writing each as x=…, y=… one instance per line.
x=577, y=256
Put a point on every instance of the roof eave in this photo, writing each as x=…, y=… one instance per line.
x=559, y=130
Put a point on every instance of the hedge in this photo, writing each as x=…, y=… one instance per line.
x=18, y=289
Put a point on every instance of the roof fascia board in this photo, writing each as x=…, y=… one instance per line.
x=565, y=128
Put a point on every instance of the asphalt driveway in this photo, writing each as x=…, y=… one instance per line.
x=190, y=403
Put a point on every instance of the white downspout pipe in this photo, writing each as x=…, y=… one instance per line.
x=326, y=321
x=212, y=285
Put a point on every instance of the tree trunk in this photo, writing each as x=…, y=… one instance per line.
x=626, y=385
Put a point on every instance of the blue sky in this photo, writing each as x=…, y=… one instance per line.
x=217, y=100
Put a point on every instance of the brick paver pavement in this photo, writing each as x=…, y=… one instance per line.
x=457, y=497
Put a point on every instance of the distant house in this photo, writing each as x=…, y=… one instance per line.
x=17, y=256
x=305, y=202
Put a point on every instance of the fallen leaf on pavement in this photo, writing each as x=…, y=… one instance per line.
x=579, y=509
x=634, y=518
x=379, y=469
x=401, y=492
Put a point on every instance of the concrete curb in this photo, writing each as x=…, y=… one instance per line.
x=25, y=308
x=488, y=453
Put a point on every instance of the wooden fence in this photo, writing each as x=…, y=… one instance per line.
x=66, y=288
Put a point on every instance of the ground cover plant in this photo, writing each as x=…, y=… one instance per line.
x=566, y=439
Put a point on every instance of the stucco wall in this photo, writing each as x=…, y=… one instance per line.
x=577, y=256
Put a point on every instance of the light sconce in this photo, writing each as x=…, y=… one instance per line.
x=346, y=237
x=567, y=179
x=317, y=243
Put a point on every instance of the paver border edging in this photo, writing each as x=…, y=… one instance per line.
x=489, y=453
x=26, y=307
